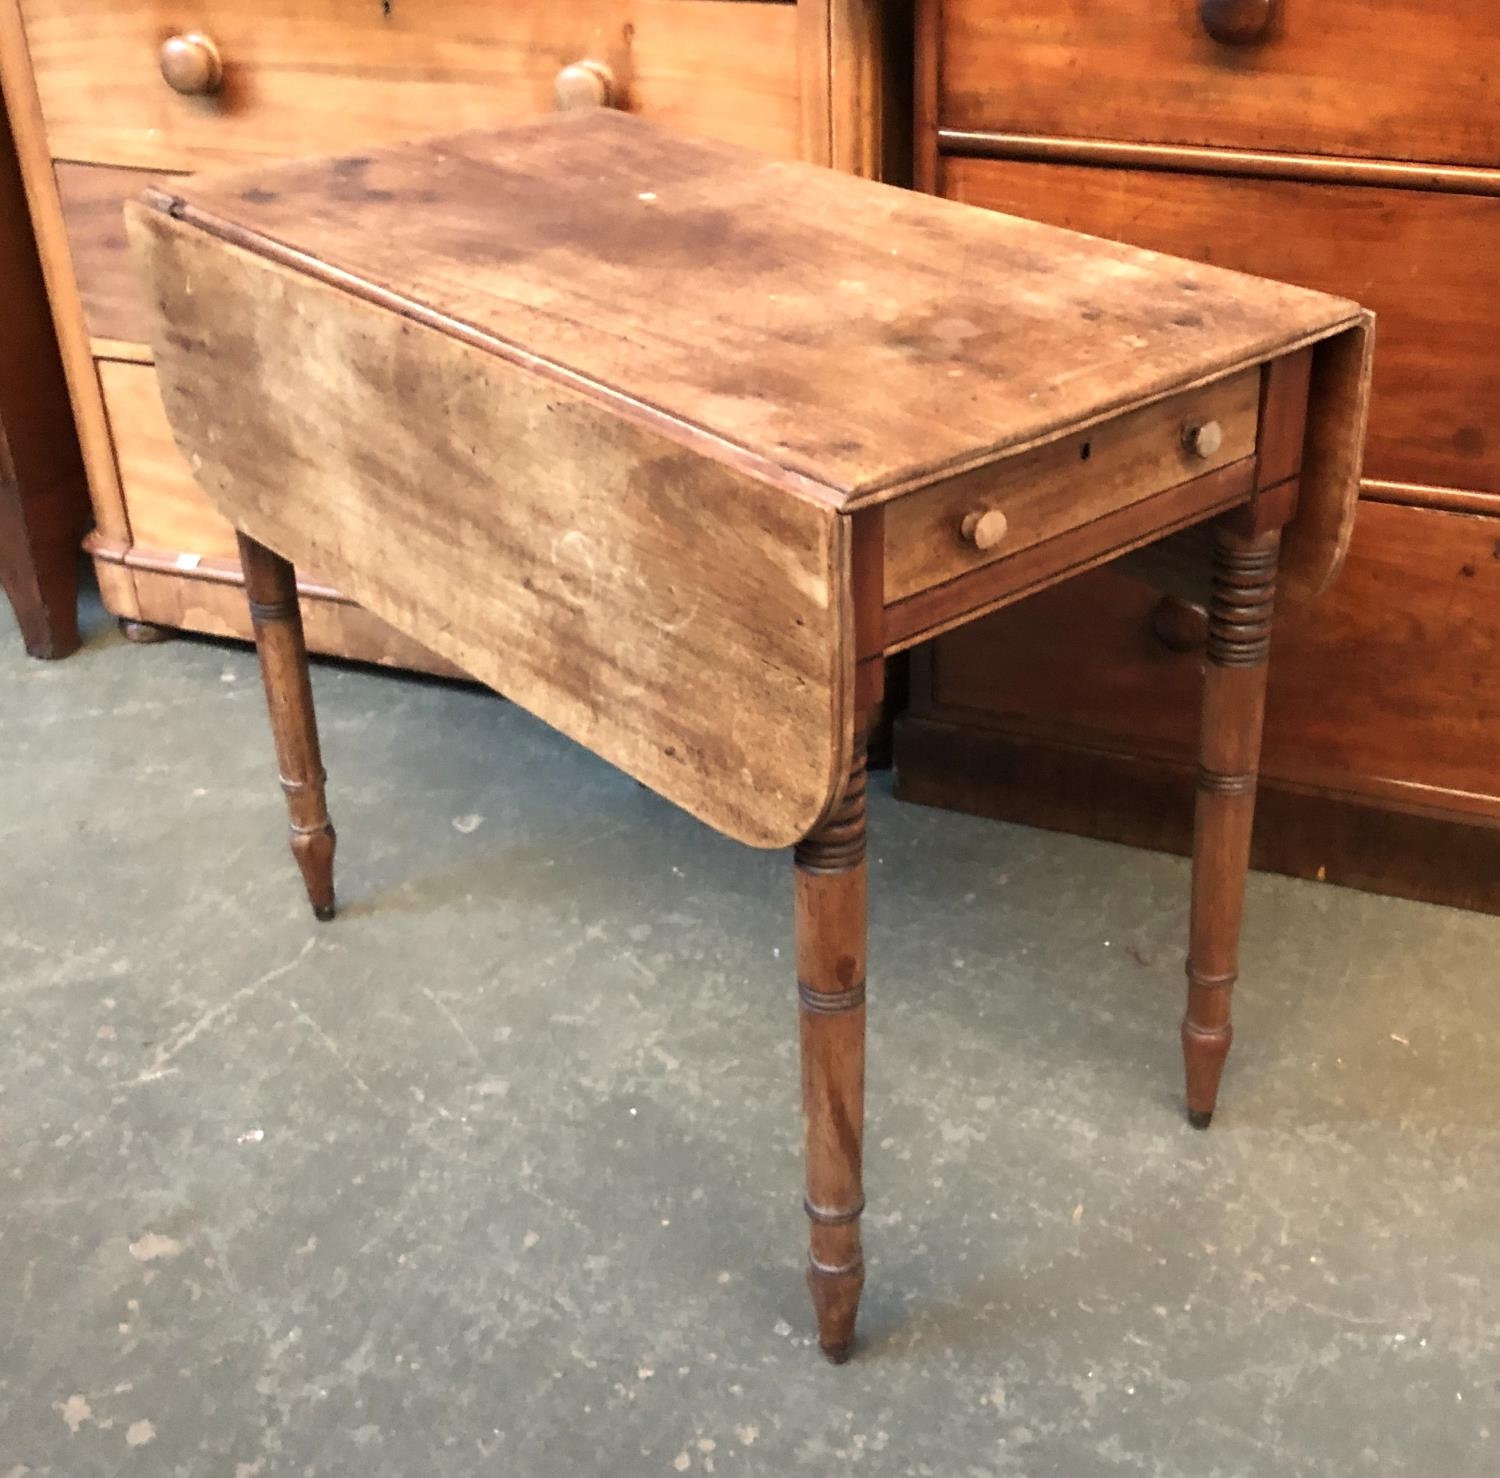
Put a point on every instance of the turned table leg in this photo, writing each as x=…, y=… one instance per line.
x=1234, y=696
x=830, y=919
x=271, y=584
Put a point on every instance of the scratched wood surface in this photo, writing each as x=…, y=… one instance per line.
x=681, y=619
x=808, y=326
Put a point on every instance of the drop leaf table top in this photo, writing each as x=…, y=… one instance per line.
x=587, y=405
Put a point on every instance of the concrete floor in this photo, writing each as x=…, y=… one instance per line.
x=499, y=1173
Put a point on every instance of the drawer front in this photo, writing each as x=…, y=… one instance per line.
x=167, y=511
x=942, y=532
x=1376, y=690
x=1425, y=262
x=1402, y=79
x=93, y=200
x=320, y=76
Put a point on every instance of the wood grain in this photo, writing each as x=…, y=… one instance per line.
x=618, y=585
x=93, y=207
x=818, y=308
x=1335, y=77
x=1064, y=484
x=857, y=84
x=1424, y=262
x=307, y=76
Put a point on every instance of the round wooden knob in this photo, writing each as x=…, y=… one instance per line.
x=1203, y=438
x=1179, y=625
x=190, y=64
x=985, y=529
x=1237, y=22
x=584, y=85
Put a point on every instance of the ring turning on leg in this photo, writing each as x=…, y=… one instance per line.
x=830, y=919
x=1234, y=694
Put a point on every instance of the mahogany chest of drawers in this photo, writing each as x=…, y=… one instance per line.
x=1339, y=145
x=106, y=96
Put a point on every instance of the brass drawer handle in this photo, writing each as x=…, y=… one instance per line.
x=1202, y=438
x=584, y=84
x=985, y=528
x=191, y=65
x=1237, y=22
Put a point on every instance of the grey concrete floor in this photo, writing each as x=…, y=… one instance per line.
x=499, y=1173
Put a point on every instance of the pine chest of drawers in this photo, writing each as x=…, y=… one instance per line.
x=1339, y=145
x=106, y=96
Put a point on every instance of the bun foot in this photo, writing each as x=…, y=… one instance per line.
x=144, y=633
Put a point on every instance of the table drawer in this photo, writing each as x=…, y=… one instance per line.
x=1425, y=262
x=943, y=532
x=1403, y=79
x=167, y=510
x=320, y=76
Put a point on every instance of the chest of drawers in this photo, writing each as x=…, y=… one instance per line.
x=1339, y=145
x=107, y=96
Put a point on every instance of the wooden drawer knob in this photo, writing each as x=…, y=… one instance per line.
x=985, y=529
x=1179, y=626
x=190, y=64
x=1203, y=438
x=584, y=85
x=1237, y=22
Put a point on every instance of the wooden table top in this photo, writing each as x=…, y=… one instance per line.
x=845, y=339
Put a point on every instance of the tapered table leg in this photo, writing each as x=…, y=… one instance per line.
x=830, y=919
x=271, y=584
x=1234, y=695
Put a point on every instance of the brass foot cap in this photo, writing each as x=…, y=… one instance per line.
x=322, y=912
